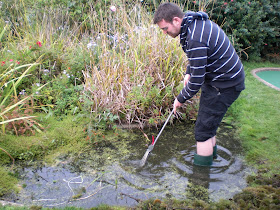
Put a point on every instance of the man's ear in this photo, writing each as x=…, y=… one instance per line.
x=177, y=21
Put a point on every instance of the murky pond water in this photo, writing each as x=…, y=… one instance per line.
x=89, y=180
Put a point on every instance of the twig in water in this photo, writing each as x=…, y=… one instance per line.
x=137, y=199
x=146, y=136
x=70, y=182
x=44, y=200
x=68, y=201
x=95, y=180
x=100, y=188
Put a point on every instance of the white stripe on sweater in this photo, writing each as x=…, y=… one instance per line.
x=224, y=63
x=210, y=34
x=218, y=48
x=236, y=72
x=194, y=28
x=197, y=67
x=218, y=35
x=197, y=48
x=202, y=75
x=202, y=31
x=215, y=78
x=197, y=84
x=193, y=90
x=198, y=58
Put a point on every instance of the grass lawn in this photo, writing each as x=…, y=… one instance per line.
x=257, y=115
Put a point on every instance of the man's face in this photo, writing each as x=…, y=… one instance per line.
x=171, y=28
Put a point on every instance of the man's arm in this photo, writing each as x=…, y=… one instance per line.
x=197, y=56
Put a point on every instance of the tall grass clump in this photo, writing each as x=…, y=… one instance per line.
x=105, y=58
x=134, y=68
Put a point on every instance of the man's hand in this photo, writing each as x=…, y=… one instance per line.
x=176, y=104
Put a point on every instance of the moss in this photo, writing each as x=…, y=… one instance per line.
x=224, y=204
x=35, y=207
x=152, y=204
x=59, y=137
x=260, y=197
x=106, y=207
x=199, y=204
x=197, y=192
x=261, y=179
x=7, y=182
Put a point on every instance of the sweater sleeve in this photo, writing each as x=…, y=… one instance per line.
x=197, y=56
x=188, y=71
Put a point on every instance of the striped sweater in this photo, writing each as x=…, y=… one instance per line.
x=212, y=58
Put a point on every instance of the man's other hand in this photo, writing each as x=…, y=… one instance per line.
x=176, y=104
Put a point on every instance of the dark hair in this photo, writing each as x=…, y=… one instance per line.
x=167, y=11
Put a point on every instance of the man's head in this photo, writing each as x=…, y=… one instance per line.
x=169, y=18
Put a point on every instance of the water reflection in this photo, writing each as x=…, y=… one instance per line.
x=168, y=173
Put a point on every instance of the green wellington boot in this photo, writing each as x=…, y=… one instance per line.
x=202, y=160
x=215, y=152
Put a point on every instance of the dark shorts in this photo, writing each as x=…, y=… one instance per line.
x=213, y=105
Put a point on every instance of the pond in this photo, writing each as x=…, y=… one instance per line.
x=113, y=176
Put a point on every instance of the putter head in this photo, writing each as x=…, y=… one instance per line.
x=144, y=158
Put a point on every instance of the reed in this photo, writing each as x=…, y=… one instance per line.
x=134, y=68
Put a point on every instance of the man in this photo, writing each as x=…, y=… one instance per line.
x=214, y=66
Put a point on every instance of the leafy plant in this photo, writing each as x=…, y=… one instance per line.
x=61, y=95
x=98, y=125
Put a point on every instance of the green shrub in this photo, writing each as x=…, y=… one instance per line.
x=253, y=26
x=61, y=95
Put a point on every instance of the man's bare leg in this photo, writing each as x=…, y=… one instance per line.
x=204, y=152
x=213, y=140
x=206, y=148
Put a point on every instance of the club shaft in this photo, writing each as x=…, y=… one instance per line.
x=163, y=126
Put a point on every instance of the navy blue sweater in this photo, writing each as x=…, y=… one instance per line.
x=212, y=58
